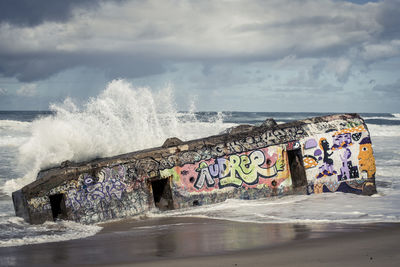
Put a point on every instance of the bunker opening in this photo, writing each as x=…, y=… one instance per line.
x=162, y=194
x=296, y=166
x=58, y=208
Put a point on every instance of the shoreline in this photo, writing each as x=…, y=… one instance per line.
x=377, y=247
x=183, y=241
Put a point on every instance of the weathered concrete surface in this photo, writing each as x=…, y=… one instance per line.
x=322, y=154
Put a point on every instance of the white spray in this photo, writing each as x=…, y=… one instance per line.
x=120, y=120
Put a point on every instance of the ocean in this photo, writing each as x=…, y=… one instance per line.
x=122, y=119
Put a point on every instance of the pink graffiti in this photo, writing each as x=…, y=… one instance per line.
x=239, y=170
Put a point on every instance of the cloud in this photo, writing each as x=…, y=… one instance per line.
x=27, y=90
x=341, y=67
x=388, y=17
x=33, y=67
x=140, y=38
x=32, y=13
x=390, y=90
x=3, y=91
x=305, y=83
x=382, y=50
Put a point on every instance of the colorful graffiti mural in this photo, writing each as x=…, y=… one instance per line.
x=337, y=157
x=263, y=167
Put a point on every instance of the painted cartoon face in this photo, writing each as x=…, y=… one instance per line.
x=366, y=159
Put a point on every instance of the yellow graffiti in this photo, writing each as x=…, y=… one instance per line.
x=248, y=169
x=357, y=129
x=38, y=202
x=170, y=173
x=366, y=160
x=318, y=188
x=233, y=167
x=309, y=162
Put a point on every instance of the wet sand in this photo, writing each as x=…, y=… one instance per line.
x=204, y=242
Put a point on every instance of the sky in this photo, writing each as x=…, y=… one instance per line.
x=225, y=55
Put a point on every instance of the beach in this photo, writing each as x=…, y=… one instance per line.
x=298, y=230
x=189, y=241
x=200, y=133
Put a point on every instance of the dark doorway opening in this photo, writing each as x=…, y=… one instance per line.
x=297, y=170
x=58, y=208
x=162, y=194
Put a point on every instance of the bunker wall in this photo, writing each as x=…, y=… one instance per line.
x=339, y=157
x=334, y=153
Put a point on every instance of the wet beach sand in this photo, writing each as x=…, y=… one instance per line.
x=185, y=241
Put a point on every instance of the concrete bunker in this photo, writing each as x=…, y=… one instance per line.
x=311, y=156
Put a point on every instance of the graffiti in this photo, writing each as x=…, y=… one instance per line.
x=357, y=129
x=146, y=166
x=309, y=161
x=366, y=159
x=39, y=203
x=92, y=190
x=326, y=169
x=237, y=170
x=167, y=173
x=339, y=159
x=324, y=126
x=310, y=143
x=284, y=135
x=292, y=145
x=353, y=186
x=277, y=136
x=351, y=124
x=190, y=157
x=235, y=147
x=341, y=141
x=356, y=136
x=347, y=171
x=205, y=175
x=136, y=180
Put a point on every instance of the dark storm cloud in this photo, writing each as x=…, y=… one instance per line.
x=138, y=38
x=33, y=67
x=389, y=18
x=34, y=12
x=391, y=90
x=15, y=102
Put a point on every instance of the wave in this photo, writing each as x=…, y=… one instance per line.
x=119, y=120
x=25, y=234
x=381, y=118
x=384, y=130
x=12, y=141
x=13, y=125
x=324, y=209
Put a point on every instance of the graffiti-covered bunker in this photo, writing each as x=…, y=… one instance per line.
x=311, y=156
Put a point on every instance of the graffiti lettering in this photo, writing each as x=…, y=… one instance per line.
x=238, y=169
x=91, y=192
